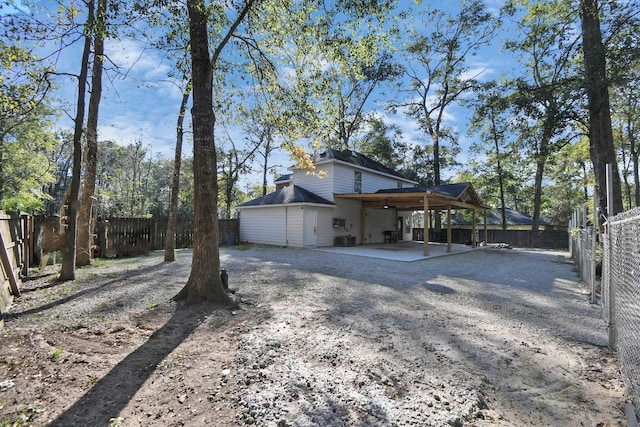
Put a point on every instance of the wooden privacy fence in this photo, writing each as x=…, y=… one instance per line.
x=548, y=239
x=132, y=236
x=25, y=240
x=14, y=254
x=123, y=236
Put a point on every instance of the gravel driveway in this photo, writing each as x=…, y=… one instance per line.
x=482, y=338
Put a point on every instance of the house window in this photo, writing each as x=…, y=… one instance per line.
x=399, y=184
x=357, y=182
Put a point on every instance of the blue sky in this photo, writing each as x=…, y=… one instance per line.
x=144, y=104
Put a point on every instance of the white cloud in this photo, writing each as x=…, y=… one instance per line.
x=411, y=132
x=126, y=129
x=133, y=57
x=479, y=71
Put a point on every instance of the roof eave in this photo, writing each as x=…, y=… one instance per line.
x=333, y=160
x=280, y=205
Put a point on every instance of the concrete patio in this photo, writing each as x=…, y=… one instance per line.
x=406, y=251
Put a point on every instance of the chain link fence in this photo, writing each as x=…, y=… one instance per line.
x=583, y=249
x=621, y=294
x=583, y=252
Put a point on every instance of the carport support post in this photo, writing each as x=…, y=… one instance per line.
x=363, y=217
x=473, y=228
x=425, y=236
x=449, y=228
x=486, y=234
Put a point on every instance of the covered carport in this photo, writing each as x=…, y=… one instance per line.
x=444, y=197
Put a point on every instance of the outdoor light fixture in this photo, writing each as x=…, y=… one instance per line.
x=386, y=204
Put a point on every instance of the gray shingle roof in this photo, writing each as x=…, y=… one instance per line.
x=494, y=217
x=284, y=178
x=513, y=217
x=286, y=196
x=453, y=190
x=355, y=158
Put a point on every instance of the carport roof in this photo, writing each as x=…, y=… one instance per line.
x=457, y=196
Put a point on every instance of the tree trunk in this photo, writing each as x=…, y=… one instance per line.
x=265, y=168
x=204, y=281
x=597, y=87
x=633, y=148
x=70, y=218
x=229, y=182
x=85, y=240
x=437, y=223
x=170, y=239
x=585, y=181
x=435, y=136
x=265, y=165
x=625, y=178
x=496, y=142
x=537, y=201
x=436, y=159
x=636, y=179
x=1, y=170
x=503, y=207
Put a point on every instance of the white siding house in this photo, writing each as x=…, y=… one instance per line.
x=286, y=217
x=307, y=213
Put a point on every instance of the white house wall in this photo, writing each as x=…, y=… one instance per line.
x=320, y=182
x=337, y=178
x=264, y=225
x=280, y=225
x=325, y=227
x=295, y=226
x=377, y=221
x=349, y=210
x=344, y=179
x=284, y=226
x=373, y=182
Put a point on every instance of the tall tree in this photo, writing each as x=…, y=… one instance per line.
x=61, y=157
x=597, y=87
x=266, y=148
x=569, y=179
x=490, y=121
x=544, y=97
x=439, y=73
x=622, y=42
x=204, y=281
x=24, y=84
x=335, y=55
x=173, y=41
x=346, y=96
x=169, y=243
x=626, y=119
x=70, y=209
x=232, y=164
x=85, y=241
x=382, y=142
x=125, y=184
x=27, y=168
x=261, y=124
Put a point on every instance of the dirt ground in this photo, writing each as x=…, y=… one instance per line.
x=484, y=338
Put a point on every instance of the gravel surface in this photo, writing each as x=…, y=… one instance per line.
x=483, y=338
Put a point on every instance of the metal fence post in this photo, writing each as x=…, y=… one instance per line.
x=594, y=229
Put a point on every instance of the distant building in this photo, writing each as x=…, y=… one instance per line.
x=515, y=220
